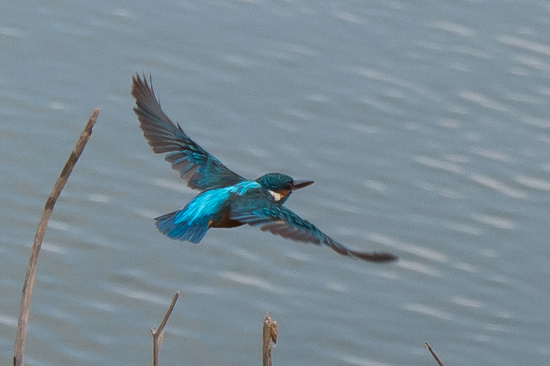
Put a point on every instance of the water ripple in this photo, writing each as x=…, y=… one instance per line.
x=483, y=100
x=135, y=294
x=458, y=29
x=533, y=182
x=470, y=303
x=541, y=48
x=418, y=250
x=8, y=320
x=428, y=310
x=495, y=221
x=253, y=281
x=543, y=123
x=418, y=267
x=347, y=16
x=439, y=164
x=463, y=228
x=353, y=360
x=498, y=186
x=492, y=154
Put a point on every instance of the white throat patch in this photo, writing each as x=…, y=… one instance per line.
x=276, y=196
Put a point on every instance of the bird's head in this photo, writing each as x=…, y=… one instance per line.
x=280, y=186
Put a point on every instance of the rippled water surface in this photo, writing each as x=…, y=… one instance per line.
x=426, y=126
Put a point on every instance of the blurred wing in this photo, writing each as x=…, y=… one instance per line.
x=281, y=221
x=196, y=166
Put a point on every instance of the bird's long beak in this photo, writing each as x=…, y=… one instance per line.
x=301, y=184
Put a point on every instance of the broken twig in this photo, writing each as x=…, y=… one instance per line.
x=269, y=333
x=158, y=333
x=433, y=354
x=24, y=308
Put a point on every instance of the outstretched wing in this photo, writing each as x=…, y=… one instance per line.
x=279, y=220
x=196, y=166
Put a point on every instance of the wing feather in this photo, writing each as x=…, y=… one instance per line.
x=279, y=220
x=196, y=166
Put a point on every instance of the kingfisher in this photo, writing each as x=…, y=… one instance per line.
x=226, y=199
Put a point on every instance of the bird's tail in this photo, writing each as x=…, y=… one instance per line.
x=170, y=226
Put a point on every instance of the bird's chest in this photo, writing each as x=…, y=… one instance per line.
x=222, y=218
x=224, y=221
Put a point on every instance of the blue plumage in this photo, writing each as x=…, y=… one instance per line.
x=194, y=220
x=226, y=199
x=192, y=232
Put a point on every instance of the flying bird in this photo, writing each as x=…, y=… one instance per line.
x=226, y=199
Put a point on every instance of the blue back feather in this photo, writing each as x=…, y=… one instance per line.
x=192, y=222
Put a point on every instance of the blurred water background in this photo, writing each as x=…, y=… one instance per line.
x=426, y=126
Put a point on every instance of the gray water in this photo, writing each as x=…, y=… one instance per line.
x=426, y=126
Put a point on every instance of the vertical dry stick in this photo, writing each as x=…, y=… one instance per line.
x=269, y=333
x=158, y=334
x=433, y=354
x=24, y=308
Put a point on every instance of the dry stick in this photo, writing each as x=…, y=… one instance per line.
x=158, y=334
x=269, y=333
x=24, y=308
x=433, y=354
